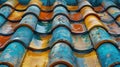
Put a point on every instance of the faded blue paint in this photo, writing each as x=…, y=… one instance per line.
x=117, y=2
x=63, y=2
x=2, y=1
x=24, y=2
x=34, y=10
x=61, y=20
x=13, y=54
x=114, y=12
x=62, y=52
x=98, y=34
x=44, y=27
x=60, y=9
x=30, y=20
x=95, y=2
x=6, y=11
x=107, y=3
x=23, y=34
x=3, y=66
x=80, y=62
x=61, y=33
x=47, y=2
x=15, y=51
x=108, y=54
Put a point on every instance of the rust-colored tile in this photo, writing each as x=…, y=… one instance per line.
x=46, y=15
x=3, y=40
x=78, y=28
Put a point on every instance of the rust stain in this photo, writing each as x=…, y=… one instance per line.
x=77, y=28
x=99, y=8
x=46, y=15
x=76, y=16
x=3, y=40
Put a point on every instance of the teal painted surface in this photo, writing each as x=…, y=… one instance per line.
x=80, y=62
x=63, y=2
x=107, y=3
x=108, y=54
x=117, y=2
x=60, y=9
x=72, y=2
x=13, y=54
x=62, y=52
x=3, y=66
x=98, y=34
x=24, y=2
x=61, y=33
x=6, y=11
x=61, y=20
x=95, y=2
x=44, y=27
x=30, y=20
x=2, y=1
x=47, y=2
x=114, y=12
x=23, y=34
x=34, y=10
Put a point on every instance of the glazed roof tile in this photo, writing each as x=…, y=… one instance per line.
x=59, y=33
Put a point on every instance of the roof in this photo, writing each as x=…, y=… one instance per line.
x=59, y=33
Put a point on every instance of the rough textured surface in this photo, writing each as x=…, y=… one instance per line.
x=59, y=33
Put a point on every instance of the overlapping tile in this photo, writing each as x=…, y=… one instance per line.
x=59, y=33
